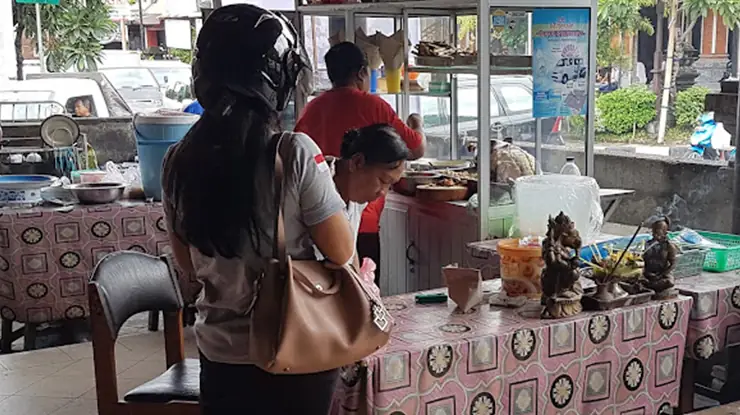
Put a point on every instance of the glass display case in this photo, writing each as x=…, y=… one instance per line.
x=482, y=85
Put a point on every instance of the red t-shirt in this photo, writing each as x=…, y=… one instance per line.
x=329, y=116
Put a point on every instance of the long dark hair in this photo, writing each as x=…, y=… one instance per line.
x=211, y=179
x=378, y=144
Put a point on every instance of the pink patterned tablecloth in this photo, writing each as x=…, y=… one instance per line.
x=47, y=254
x=497, y=361
x=715, y=316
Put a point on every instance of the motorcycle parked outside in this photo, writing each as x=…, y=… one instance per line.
x=710, y=141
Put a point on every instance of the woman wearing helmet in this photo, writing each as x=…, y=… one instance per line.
x=217, y=193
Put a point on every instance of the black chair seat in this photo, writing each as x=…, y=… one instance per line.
x=181, y=382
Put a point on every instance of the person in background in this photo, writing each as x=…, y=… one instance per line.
x=82, y=108
x=347, y=106
x=194, y=108
x=508, y=160
x=220, y=215
x=371, y=161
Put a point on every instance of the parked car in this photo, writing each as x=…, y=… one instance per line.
x=139, y=88
x=511, y=115
x=569, y=69
x=174, y=77
x=114, y=103
x=35, y=100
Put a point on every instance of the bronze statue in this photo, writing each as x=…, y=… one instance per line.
x=660, y=260
x=561, y=289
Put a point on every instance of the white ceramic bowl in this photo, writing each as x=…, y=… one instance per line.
x=23, y=189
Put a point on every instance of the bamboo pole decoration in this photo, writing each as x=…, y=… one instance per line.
x=668, y=72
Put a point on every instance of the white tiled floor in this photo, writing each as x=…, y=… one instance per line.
x=61, y=381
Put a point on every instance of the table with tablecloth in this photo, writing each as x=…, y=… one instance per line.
x=506, y=361
x=47, y=254
x=715, y=316
x=714, y=326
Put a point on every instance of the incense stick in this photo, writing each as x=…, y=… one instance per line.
x=624, y=251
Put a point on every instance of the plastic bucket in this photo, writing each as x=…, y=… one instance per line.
x=521, y=269
x=155, y=133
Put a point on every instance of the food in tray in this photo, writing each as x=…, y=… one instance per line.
x=431, y=53
x=434, y=50
x=460, y=175
x=447, y=182
x=411, y=179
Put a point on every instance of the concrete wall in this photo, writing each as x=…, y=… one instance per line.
x=112, y=138
x=696, y=194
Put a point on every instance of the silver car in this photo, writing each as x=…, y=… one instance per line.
x=137, y=86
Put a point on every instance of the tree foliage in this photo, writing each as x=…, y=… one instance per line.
x=692, y=10
x=616, y=19
x=71, y=32
x=513, y=40
x=689, y=106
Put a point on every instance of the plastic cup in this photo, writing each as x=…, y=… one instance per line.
x=393, y=80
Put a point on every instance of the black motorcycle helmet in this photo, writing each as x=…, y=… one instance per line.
x=244, y=51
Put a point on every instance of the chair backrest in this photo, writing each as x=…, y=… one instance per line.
x=129, y=283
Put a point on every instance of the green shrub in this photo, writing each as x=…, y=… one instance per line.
x=690, y=105
x=626, y=108
x=577, y=123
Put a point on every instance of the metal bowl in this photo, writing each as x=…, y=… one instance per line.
x=97, y=193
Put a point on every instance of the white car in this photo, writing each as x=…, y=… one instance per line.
x=36, y=99
x=569, y=69
x=174, y=78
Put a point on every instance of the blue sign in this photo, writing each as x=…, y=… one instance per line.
x=52, y=2
x=560, y=69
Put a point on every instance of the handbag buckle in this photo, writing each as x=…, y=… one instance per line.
x=380, y=317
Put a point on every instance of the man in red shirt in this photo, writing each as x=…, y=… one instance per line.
x=349, y=105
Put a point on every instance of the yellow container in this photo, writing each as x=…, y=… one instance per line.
x=521, y=269
x=393, y=80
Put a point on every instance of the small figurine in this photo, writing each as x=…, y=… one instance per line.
x=660, y=260
x=561, y=289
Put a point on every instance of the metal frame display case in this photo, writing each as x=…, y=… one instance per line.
x=402, y=11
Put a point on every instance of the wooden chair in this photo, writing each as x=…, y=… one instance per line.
x=124, y=284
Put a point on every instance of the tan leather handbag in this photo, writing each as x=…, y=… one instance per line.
x=306, y=318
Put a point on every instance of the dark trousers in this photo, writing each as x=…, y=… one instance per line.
x=368, y=246
x=227, y=389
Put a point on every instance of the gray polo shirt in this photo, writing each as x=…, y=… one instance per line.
x=221, y=330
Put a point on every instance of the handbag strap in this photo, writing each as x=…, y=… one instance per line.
x=278, y=244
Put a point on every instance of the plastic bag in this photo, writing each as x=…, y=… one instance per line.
x=129, y=176
x=691, y=237
x=721, y=139
x=367, y=273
